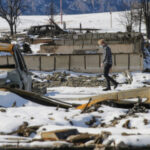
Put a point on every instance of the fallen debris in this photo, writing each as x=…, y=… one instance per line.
x=146, y=122
x=34, y=97
x=80, y=138
x=23, y=130
x=65, y=79
x=128, y=76
x=118, y=96
x=137, y=108
x=102, y=137
x=3, y=110
x=59, y=135
x=127, y=125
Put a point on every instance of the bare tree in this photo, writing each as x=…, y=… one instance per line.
x=52, y=12
x=10, y=10
x=137, y=14
x=140, y=16
x=126, y=17
x=146, y=11
x=134, y=17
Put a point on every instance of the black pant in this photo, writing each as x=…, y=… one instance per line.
x=107, y=68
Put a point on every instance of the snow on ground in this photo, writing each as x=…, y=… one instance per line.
x=35, y=47
x=96, y=20
x=51, y=119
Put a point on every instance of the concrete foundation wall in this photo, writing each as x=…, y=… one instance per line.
x=122, y=48
x=84, y=63
x=47, y=63
x=89, y=63
x=3, y=60
x=11, y=60
x=77, y=63
x=136, y=62
x=62, y=62
x=119, y=43
x=33, y=62
x=70, y=49
x=93, y=63
x=120, y=63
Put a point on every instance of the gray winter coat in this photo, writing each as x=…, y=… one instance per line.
x=107, y=55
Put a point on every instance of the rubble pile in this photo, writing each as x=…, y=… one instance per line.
x=73, y=139
x=65, y=79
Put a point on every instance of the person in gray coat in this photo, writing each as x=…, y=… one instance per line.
x=107, y=64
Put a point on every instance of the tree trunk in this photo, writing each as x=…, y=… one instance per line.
x=148, y=27
x=15, y=26
x=11, y=29
x=147, y=16
x=140, y=20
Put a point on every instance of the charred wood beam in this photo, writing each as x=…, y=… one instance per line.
x=39, y=99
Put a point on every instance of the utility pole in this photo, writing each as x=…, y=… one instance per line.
x=61, y=12
x=110, y=18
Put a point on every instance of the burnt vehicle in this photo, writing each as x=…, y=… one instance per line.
x=14, y=73
x=51, y=29
x=46, y=30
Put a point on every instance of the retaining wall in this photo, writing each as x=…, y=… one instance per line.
x=89, y=63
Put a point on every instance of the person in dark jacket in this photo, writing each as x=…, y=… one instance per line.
x=107, y=64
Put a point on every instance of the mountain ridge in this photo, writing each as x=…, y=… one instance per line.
x=42, y=7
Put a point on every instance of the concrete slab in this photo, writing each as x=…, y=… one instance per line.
x=136, y=62
x=3, y=60
x=93, y=63
x=33, y=62
x=77, y=63
x=62, y=62
x=78, y=42
x=47, y=63
x=69, y=42
x=122, y=48
x=11, y=60
x=121, y=62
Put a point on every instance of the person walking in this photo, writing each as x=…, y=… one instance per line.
x=107, y=64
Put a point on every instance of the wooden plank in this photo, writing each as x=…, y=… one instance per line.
x=121, y=95
x=58, y=135
x=100, y=98
x=148, y=93
x=141, y=92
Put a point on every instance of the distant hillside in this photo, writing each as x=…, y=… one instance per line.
x=41, y=7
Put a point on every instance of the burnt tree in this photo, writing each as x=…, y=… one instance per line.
x=126, y=18
x=52, y=12
x=146, y=10
x=10, y=10
x=138, y=17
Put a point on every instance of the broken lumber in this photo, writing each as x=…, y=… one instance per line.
x=58, y=135
x=143, y=92
x=81, y=138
